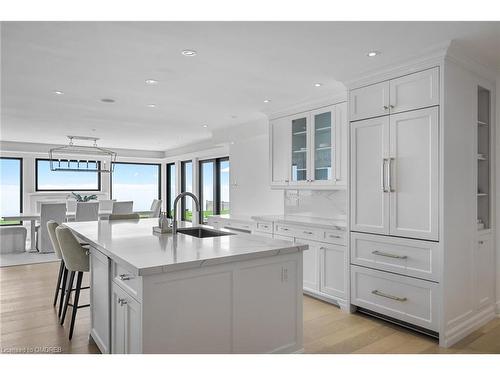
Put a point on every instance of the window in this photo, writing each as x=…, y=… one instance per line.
x=170, y=189
x=136, y=182
x=187, y=185
x=11, y=201
x=214, y=187
x=47, y=180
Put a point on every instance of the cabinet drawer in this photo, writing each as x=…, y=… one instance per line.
x=238, y=225
x=399, y=255
x=285, y=230
x=131, y=283
x=411, y=300
x=264, y=227
x=335, y=236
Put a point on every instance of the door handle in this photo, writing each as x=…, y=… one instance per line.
x=383, y=178
x=389, y=178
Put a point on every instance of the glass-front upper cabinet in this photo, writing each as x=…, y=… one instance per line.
x=300, y=148
x=323, y=141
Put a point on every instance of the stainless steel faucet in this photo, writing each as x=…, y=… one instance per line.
x=181, y=195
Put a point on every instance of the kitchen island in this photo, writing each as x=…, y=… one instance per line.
x=150, y=293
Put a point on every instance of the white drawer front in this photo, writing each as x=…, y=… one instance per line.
x=285, y=230
x=335, y=236
x=407, y=257
x=306, y=233
x=410, y=300
x=264, y=227
x=131, y=283
x=238, y=225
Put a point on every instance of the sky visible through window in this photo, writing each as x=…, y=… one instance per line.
x=10, y=197
x=136, y=182
x=65, y=180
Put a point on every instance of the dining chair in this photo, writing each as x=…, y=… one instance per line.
x=87, y=211
x=48, y=211
x=106, y=204
x=155, y=208
x=71, y=205
x=124, y=217
x=76, y=260
x=124, y=207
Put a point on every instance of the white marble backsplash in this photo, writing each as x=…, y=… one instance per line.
x=328, y=204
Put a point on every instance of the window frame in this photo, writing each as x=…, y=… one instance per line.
x=183, y=186
x=168, y=173
x=99, y=181
x=21, y=185
x=216, y=185
x=138, y=163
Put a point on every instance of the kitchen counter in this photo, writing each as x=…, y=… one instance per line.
x=132, y=244
x=167, y=293
x=303, y=220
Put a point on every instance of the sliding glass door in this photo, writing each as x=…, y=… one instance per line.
x=187, y=185
x=11, y=188
x=214, y=187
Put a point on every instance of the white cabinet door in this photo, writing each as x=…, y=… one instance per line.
x=414, y=91
x=323, y=165
x=300, y=152
x=341, y=139
x=334, y=265
x=99, y=300
x=280, y=138
x=310, y=269
x=126, y=323
x=369, y=101
x=369, y=194
x=484, y=271
x=267, y=290
x=414, y=174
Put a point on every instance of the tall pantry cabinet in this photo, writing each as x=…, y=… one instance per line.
x=421, y=165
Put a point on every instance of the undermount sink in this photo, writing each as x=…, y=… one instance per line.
x=202, y=232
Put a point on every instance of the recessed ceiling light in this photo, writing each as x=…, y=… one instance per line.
x=151, y=105
x=151, y=81
x=107, y=100
x=318, y=84
x=57, y=92
x=205, y=126
x=267, y=100
x=189, y=52
x=373, y=53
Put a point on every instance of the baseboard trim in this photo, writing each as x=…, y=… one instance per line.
x=498, y=308
x=342, y=303
x=457, y=333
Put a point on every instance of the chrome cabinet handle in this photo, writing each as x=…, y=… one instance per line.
x=122, y=301
x=388, y=255
x=380, y=294
x=124, y=277
x=382, y=175
x=305, y=232
x=481, y=242
x=386, y=107
x=285, y=229
x=334, y=236
x=391, y=106
x=389, y=183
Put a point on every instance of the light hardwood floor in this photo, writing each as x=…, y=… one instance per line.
x=28, y=320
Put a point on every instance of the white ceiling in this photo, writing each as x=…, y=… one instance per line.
x=239, y=64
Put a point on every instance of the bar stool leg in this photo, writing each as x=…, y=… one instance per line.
x=63, y=291
x=58, y=285
x=75, y=303
x=68, y=295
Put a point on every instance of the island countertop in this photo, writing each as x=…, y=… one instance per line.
x=132, y=244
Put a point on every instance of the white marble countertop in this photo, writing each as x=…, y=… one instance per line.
x=132, y=244
x=304, y=220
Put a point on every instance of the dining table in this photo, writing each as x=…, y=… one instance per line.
x=33, y=217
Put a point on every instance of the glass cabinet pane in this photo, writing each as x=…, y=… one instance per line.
x=299, y=149
x=323, y=146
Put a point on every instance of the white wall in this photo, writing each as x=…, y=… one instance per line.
x=250, y=191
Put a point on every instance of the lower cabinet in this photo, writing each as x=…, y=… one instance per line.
x=126, y=322
x=325, y=271
x=99, y=300
x=484, y=272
